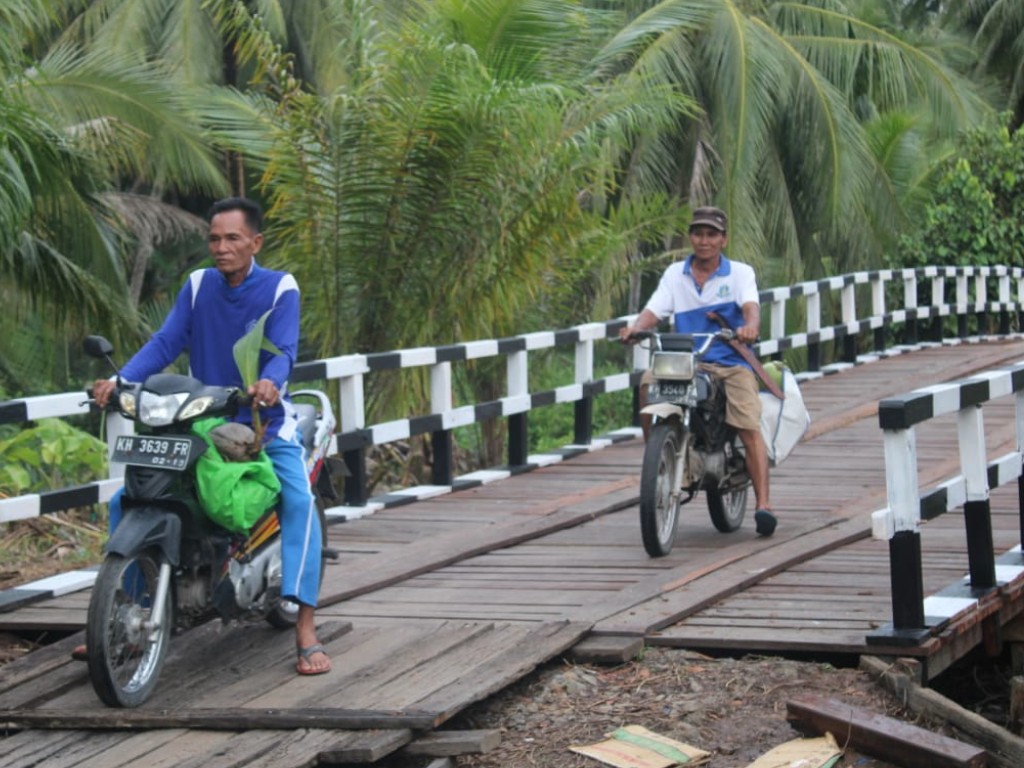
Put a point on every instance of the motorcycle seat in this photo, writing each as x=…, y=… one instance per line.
x=306, y=413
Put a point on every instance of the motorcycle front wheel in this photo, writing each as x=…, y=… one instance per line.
x=285, y=613
x=659, y=498
x=727, y=509
x=125, y=656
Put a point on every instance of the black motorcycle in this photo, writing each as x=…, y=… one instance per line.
x=167, y=565
x=690, y=448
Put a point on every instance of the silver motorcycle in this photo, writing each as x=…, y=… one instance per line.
x=690, y=448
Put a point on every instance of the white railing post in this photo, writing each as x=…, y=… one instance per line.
x=442, y=445
x=517, y=376
x=584, y=408
x=778, y=319
x=813, y=328
x=977, y=512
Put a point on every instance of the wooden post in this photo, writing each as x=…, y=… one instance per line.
x=1016, y=716
x=584, y=407
x=778, y=323
x=961, y=305
x=849, y=302
x=353, y=418
x=1019, y=419
x=977, y=513
x=442, y=444
x=813, y=327
x=905, y=571
x=910, y=305
x=878, y=307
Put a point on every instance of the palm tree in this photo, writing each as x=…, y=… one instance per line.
x=789, y=94
x=998, y=29
x=74, y=126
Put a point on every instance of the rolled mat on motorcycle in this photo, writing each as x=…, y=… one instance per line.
x=690, y=448
x=169, y=564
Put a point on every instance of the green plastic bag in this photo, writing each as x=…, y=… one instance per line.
x=234, y=494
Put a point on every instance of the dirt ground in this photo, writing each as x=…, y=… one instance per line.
x=733, y=708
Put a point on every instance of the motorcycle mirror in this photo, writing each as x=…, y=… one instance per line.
x=97, y=346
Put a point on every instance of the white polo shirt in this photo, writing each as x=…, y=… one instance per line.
x=678, y=297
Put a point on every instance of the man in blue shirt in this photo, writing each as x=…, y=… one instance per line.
x=706, y=282
x=214, y=309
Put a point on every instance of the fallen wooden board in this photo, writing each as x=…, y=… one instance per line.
x=606, y=649
x=237, y=718
x=451, y=743
x=1005, y=749
x=880, y=736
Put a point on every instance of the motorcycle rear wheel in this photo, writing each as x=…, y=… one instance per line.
x=124, y=659
x=285, y=613
x=659, y=499
x=727, y=509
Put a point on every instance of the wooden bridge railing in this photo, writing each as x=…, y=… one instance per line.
x=899, y=522
x=960, y=292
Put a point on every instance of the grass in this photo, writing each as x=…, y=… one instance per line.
x=50, y=544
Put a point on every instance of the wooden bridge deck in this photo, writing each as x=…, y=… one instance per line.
x=437, y=604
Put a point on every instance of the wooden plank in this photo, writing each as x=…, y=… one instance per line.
x=238, y=718
x=367, y=747
x=540, y=645
x=383, y=666
x=1005, y=749
x=880, y=736
x=451, y=743
x=606, y=649
x=442, y=550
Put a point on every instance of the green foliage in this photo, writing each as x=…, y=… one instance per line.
x=51, y=454
x=246, y=351
x=976, y=216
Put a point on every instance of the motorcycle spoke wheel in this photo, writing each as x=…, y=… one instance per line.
x=124, y=655
x=727, y=509
x=659, y=499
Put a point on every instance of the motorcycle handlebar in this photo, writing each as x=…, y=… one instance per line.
x=725, y=334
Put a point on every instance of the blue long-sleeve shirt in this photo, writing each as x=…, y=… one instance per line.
x=209, y=316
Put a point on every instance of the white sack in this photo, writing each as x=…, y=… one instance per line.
x=783, y=422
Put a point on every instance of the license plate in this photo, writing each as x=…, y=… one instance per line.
x=667, y=390
x=146, y=451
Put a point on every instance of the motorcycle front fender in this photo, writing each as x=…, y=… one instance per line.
x=663, y=410
x=146, y=527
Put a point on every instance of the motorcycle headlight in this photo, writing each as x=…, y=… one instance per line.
x=673, y=365
x=195, y=407
x=158, y=410
x=126, y=404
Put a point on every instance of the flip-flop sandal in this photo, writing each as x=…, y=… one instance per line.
x=765, y=522
x=305, y=653
x=80, y=653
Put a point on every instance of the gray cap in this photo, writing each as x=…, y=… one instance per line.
x=708, y=216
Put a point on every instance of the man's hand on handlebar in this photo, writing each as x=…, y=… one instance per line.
x=632, y=335
x=748, y=334
x=102, y=389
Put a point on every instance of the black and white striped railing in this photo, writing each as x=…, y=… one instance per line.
x=915, y=617
x=811, y=300
x=968, y=288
